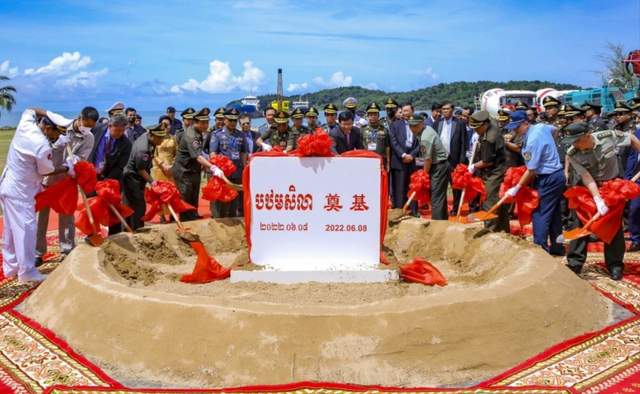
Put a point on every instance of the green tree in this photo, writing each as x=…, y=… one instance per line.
x=615, y=72
x=7, y=100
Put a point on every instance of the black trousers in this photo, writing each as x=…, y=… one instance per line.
x=189, y=187
x=439, y=176
x=577, y=252
x=134, y=198
x=400, y=179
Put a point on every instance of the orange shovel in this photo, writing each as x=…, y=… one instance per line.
x=482, y=216
x=577, y=233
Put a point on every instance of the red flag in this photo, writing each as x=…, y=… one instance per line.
x=461, y=179
x=420, y=185
x=615, y=194
x=526, y=199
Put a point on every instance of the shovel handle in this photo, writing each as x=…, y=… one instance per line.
x=229, y=183
x=175, y=217
x=124, y=222
x=636, y=177
x=590, y=222
x=498, y=204
x=473, y=155
x=406, y=205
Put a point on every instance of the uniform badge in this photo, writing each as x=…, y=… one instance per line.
x=49, y=156
x=145, y=157
x=527, y=156
x=195, y=143
x=423, y=149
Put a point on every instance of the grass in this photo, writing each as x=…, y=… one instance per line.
x=5, y=140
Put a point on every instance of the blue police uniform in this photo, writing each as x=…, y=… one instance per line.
x=232, y=144
x=541, y=155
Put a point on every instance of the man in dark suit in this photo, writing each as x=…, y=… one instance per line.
x=453, y=134
x=405, y=147
x=345, y=136
x=110, y=153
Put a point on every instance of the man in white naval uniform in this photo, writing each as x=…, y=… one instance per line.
x=28, y=161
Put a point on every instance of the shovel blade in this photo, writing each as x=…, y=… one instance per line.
x=95, y=240
x=574, y=234
x=482, y=216
x=461, y=219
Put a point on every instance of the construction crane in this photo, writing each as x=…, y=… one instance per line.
x=279, y=103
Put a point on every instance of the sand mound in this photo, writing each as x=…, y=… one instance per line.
x=128, y=312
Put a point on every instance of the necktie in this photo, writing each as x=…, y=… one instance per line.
x=346, y=137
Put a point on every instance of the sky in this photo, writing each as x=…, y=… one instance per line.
x=66, y=54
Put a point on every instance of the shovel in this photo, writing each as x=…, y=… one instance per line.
x=577, y=233
x=482, y=216
x=230, y=184
x=406, y=205
x=183, y=232
x=124, y=222
x=95, y=239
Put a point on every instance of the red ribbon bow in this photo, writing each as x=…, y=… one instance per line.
x=62, y=196
x=217, y=189
x=526, y=199
x=461, y=179
x=317, y=144
x=107, y=192
x=164, y=193
x=420, y=185
x=224, y=163
x=615, y=194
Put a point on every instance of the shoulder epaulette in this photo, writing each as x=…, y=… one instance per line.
x=571, y=151
x=603, y=134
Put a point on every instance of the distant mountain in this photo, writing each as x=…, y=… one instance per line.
x=460, y=93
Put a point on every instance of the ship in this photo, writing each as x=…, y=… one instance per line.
x=249, y=105
x=302, y=104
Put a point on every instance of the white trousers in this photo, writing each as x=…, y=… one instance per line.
x=19, y=236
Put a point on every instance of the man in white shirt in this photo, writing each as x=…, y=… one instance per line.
x=80, y=138
x=28, y=161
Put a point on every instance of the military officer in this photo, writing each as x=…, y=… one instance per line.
x=351, y=105
x=624, y=117
x=592, y=114
x=231, y=143
x=137, y=172
x=592, y=155
x=520, y=106
x=436, y=164
x=376, y=135
x=312, y=119
x=278, y=135
x=187, y=121
x=190, y=160
x=543, y=163
x=491, y=166
x=390, y=107
x=218, y=116
x=297, y=129
x=331, y=116
x=551, y=108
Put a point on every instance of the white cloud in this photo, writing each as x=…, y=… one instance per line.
x=64, y=64
x=86, y=79
x=337, y=80
x=222, y=80
x=428, y=72
x=7, y=70
x=297, y=86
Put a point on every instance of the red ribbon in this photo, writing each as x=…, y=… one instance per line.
x=62, y=196
x=317, y=144
x=217, y=190
x=224, y=163
x=107, y=192
x=461, y=179
x=527, y=199
x=420, y=185
x=615, y=194
x=420, y=270
x=164, y=193
x=207, y=268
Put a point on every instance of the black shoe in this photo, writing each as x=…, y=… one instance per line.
x=577, y=269
x=39, y=261
x=616, y=273
x=635, y=247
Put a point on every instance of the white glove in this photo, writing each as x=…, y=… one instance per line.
x=600, y=204
x=266, y=147
x=62, y=141
x=471, y=168
x=513, y=191
x=216, y=171
x=59, y=120
x=70, y=162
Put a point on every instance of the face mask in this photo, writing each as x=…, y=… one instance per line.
x=85, y=129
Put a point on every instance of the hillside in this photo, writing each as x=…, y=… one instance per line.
x=461, y=93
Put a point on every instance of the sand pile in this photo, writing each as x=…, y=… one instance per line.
x=126, y=309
